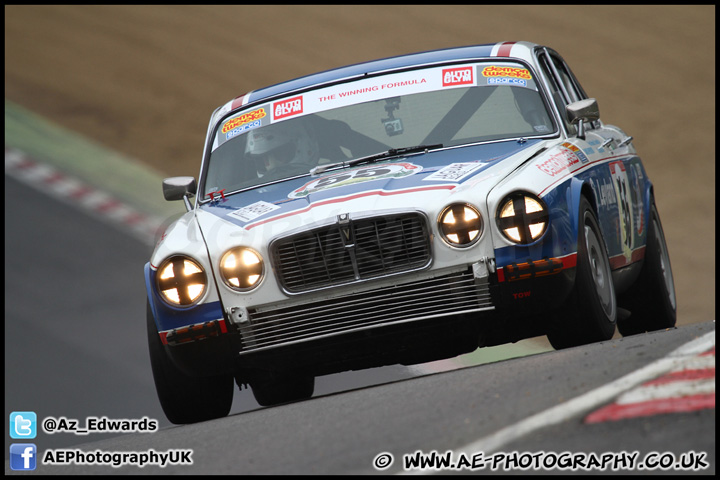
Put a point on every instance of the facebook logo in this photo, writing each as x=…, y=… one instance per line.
x=22, y=456
x=23, y=425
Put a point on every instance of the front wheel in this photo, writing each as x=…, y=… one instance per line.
x=591, y=311
x=651, y=300
x=183, y=398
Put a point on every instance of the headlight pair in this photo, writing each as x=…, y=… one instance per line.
x=182, y=281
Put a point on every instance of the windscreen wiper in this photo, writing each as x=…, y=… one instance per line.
x=393, y=152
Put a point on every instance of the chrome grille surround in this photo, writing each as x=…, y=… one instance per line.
x=450, y=294
x=351, y=251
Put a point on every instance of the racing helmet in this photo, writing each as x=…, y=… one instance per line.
x=288, y=142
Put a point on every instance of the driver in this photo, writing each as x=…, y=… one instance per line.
x=282, y=146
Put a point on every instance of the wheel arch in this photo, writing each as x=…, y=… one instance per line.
x=151, y=298
x=578, y=189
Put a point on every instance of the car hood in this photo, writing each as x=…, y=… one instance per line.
x=419, y=181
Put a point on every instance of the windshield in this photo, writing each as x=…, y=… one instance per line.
x=441, y=105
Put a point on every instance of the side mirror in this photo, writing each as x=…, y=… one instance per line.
x=179, y=188
x=582, y=111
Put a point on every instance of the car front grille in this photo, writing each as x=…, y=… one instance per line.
x=434, y=297
x=352, y=251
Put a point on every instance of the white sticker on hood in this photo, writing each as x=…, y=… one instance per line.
x=455, y=171
x=251, y=212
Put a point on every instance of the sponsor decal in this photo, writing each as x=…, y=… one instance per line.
x=251, y=212
x=625, y=207
x=345, y=96
x=604, y=192
x=558, y=162
x=580, y=154
x=596, y=144
x=351, y=177
x=507, y=81
x=237, y=131
x=509, y=72
x=455, y=171
x=521, y=295
x=248, y=117
x=458, y=76
x=288, y=108
x=402, y=83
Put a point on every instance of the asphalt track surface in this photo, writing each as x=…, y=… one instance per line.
x=78, y=344
x=74, y=330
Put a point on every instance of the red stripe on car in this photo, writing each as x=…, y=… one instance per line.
x=239, y=101
x=504, y=50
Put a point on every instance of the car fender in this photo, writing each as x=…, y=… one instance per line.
x=182, y=237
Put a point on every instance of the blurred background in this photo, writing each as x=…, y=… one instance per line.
x=143, y=81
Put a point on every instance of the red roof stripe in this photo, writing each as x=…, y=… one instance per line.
x=238, y=101
x=504, y=50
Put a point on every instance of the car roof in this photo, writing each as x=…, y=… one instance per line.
x=516, y=50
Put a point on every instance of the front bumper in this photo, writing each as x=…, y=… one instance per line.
x=428, y=319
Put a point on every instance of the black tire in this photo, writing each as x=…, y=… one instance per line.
x=590, y=314
x=283, y=389
x=183, y=398
x=651, y=300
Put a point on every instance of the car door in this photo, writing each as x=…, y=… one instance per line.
x=615, y=173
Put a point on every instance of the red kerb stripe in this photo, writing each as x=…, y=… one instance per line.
x=107, y=205
x=681, y=375
x=652, y=407
x=54, y=177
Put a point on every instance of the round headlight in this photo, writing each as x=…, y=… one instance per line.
x=460, y=224
x=522, y=217
x=181, y=281
x=241, y=268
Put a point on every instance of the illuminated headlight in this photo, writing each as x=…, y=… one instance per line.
x=522, y=217
x=181, y=281
x=460, y=224
x=241, y=268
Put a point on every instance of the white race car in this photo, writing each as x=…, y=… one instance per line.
x=395, y=212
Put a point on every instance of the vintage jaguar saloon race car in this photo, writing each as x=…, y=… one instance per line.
x=395, y=212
